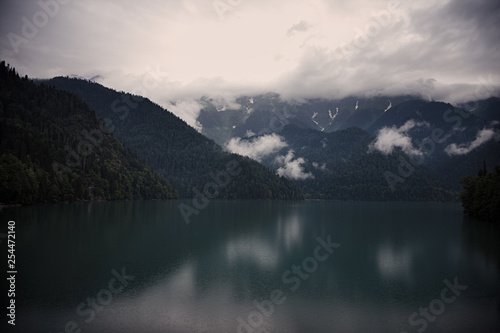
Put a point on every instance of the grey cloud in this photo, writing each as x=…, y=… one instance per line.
x=482, y=137
x=257, y=148
x=389, y=138
x=302, y=26
x=446, y=51
x=465, y=33
x=430, y=52
x=292, y=167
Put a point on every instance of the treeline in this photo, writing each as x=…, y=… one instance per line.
x=481, y=195
x=343, y=169
x=186, y=158
x=53, y=148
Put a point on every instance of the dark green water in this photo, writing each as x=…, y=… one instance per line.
x=253, y=267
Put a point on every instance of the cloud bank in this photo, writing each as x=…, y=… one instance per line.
x=186, y=110
x=389, y=138
x=292, y=168
x=257, y=148
x=482, y=137
x=302, y=26
x=443, y=50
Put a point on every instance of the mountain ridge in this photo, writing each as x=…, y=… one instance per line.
x=270, y=122
x=53, y=148
x=174, y=149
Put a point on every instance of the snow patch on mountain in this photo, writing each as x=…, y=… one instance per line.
x=390, y=106
x=312, y=118
x=332, y=117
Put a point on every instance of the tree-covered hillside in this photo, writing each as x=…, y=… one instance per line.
x=53, y=148
x=481, y=195
x=442, y=125
x=187, y=159
x=345, y=169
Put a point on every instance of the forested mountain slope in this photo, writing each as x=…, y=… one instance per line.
x=53, y=148
x=340, y=165
x=186, y=158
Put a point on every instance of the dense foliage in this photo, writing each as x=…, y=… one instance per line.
x=261, y=114
x=437, y=126
x=186, y=158
x=442, y=124
x=345, y=169
x=481, y=195
x=53, y=148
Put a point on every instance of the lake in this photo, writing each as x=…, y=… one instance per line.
x=254, y=266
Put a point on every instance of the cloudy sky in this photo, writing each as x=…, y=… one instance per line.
x=176, y=50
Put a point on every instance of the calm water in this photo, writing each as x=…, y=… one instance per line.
x=254, y=267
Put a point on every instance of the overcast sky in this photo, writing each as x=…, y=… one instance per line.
x=173, y=50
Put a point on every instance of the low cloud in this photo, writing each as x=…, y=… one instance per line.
x=321, y=167
x=258, y=148
x=186, y=110
x=299, y=49
x=292, y=168
x=224, y=103
x=389, y=138
x=482, y=137
x=302, y=26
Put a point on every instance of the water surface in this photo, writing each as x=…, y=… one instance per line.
x=222, y=272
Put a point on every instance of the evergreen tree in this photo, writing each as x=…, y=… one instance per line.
x=481, y=195
x=53, y=148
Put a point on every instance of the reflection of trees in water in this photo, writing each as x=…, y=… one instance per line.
x=483, y=237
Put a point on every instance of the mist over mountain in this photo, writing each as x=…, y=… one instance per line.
x=250, y=165
x=448, y=141
x=302, y=50
x=187, y=159
x=380, y=148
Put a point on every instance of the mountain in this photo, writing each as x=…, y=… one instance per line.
x=454, y=142
x=488, y=109
x=339, y=165
x=450, y=142
x=378, y=148
x=191, y=162
x=263, y=114
x=53, y=148
x=481, y=195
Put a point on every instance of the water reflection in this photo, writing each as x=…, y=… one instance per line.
x=482, y=238
x=394, y=264
x=203, y=276
x=254, y=250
